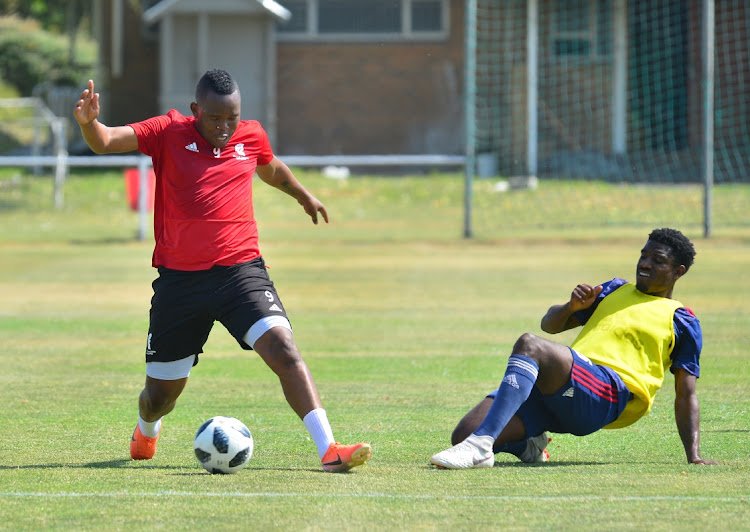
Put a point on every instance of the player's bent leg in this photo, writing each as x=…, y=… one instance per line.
x=157, y=399
x=514, y=430
x=277, y=349
x=511, y=440
x=471, y=421
x=555, y=361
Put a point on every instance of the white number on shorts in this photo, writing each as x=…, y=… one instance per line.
x=269, y=296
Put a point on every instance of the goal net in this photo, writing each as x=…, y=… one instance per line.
x=589, y=114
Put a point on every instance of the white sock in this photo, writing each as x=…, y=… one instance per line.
x=483, y=443
x=316, y=423
x=150, y=429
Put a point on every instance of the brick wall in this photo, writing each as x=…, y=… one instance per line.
x=373, y=98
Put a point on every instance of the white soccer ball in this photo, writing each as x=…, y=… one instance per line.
x=223, y=445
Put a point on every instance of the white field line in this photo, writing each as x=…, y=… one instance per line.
x=272, y=495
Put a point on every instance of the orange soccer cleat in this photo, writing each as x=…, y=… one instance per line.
x=141, y=447
x=340, y=458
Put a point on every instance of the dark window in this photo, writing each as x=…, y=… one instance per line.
x=426, y=15
x=359, y=19
x=359, y=16
x=582, y=28
x=298, y=22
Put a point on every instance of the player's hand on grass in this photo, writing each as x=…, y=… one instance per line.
x=87, y=108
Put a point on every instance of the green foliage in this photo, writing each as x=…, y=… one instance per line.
x=30, y=56
x=6, y=91
x=51, y=14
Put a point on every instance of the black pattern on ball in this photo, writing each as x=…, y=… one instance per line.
x=221, y=440
x=203, y=427
x=240, y=457
x=202, y=456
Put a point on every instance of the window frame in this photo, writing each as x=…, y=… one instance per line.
x=406, y=34
x=591, y=35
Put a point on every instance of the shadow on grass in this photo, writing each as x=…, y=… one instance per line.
x=521, y=465
x=273, y=469
x=552, y=464
x=107, y=464
x=125, y=462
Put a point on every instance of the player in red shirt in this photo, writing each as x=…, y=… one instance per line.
x=206, y=253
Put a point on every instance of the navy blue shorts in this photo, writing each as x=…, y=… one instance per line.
x=185, y=306
x=593, y=397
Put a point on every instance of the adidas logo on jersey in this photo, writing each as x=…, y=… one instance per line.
x=569, y=392
x=192, y=147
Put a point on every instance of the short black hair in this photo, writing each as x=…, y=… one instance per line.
x=218, y=81
x=683, y=251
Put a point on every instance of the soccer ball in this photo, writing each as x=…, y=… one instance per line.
x=223, y=445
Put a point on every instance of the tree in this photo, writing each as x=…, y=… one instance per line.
x=57, y=16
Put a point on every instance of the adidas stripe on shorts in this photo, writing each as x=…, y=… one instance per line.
x=593, y=397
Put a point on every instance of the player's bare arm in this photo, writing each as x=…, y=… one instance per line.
x=278, y=175
x=560, y=318
x=687, y=416
x=101, y=138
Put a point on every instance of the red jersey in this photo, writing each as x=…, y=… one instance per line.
x=203, y=205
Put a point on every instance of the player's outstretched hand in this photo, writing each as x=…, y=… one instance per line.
x=312, y=207
x=87, y=108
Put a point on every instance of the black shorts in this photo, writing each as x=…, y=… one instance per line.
x=186, y=304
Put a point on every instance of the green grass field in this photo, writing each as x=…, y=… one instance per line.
x=405, y=326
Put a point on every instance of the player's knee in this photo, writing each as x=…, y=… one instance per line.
x=279, y=350
x=290, y=361
x=528, y=345
x=538, y=349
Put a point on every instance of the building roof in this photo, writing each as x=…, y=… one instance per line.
x=160, y=9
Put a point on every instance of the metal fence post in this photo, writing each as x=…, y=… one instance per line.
x=708, y=113
x=470, y=85
x=36, y=147
x=61, y=163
